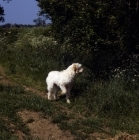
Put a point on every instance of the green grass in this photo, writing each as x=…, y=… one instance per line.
x=107, y=107
x=10, y=104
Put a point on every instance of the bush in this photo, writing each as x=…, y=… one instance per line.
x=98, y=35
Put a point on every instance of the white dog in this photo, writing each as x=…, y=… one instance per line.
x=63, y=80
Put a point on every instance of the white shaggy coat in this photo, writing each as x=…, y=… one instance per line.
x=63, y=80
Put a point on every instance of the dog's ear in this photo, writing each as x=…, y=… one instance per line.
x=75, y=69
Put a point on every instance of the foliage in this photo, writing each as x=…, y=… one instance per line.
x=105, y=31
x=39, y=21
x=1, y=14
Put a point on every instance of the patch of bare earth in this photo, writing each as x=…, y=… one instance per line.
x=120, y=136
x=42, y=128
x=125, y=136
x=5, y=81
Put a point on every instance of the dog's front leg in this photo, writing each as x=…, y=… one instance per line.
x=67, y=97
x=68, y=92
x=64, y=91
x=55, y=92
x=49, y=95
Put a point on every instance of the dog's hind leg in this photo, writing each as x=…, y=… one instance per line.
x=50, y=89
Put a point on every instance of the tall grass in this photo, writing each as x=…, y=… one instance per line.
x=115, y=97
x=29, y=54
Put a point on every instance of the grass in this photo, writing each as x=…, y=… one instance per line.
x=104, y=107
x=10, y=104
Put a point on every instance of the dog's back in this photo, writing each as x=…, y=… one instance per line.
x=53, y=76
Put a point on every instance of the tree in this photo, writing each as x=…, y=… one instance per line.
x=105, y=31
x=1, y=14
x=39, y=21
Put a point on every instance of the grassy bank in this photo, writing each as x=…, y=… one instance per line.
x=107, y=107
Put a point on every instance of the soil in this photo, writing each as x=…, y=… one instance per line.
x=41, y=127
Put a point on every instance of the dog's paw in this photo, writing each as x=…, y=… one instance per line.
x=68, y=101
x=49, y=98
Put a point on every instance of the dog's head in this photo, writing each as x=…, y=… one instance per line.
x=77, y=68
